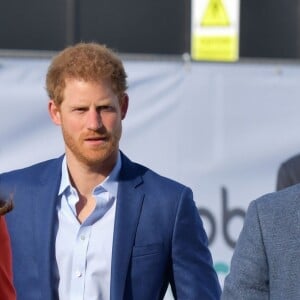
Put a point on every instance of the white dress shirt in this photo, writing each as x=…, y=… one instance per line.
x=84, y=251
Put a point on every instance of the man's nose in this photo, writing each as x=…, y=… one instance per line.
x=94, y=121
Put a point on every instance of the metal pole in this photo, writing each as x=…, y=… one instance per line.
x=70, y=22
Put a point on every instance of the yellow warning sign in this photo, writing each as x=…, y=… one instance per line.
x=215, y=14
x=215, y=30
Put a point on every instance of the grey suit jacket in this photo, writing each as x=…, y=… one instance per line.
x=266, y=260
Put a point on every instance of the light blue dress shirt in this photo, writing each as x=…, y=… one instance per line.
x=83, y=251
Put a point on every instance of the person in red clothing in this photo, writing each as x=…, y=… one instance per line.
x=7, y=290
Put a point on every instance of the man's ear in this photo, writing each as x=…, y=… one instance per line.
x=124, y=101
x=54, y=112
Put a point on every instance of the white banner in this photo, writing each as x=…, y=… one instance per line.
x=221, y=129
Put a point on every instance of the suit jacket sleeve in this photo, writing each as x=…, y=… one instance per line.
x=6, y=282
x=248, y=277
x=193, y=273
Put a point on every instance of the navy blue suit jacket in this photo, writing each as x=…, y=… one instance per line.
x=158, y=236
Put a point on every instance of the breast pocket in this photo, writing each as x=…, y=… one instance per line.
x=151, y=249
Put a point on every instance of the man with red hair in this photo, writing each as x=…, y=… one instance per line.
x=92, y=224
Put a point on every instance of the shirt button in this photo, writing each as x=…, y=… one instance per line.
x=82, y=237
x=78, y=274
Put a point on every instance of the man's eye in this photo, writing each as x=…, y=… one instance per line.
x=80, y=109
x=106, y=108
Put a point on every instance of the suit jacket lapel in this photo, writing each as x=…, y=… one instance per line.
x=45, y=225
x=129, y=204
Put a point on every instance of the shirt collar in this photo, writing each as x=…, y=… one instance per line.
x=109, y=184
